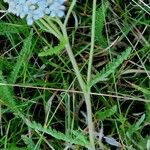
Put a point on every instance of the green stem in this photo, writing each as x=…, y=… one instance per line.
x=69, y=12
x=89, y=117
x=83, y=87
x=92, y=43
x=87, y=96
x=73, y=61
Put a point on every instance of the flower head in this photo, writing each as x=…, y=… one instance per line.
x=36, y=9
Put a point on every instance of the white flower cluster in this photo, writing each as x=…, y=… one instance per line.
x=36, y=9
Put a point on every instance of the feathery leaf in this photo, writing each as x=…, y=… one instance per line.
x=79, y=140
x=53, y=50
x=111, y=67
x=9, y=28
x=102, y=115
x=100, y=23
x=22, y=58
x=6, y=94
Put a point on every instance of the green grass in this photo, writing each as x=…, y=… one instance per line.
x=80, y=82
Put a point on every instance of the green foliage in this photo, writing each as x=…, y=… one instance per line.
x=22, y=59
x=6, y=94
x=143, y=90
x=147, y=106
x=136, y=126
x=9, y=28
x=32, y=85
x=146, y=93
x=5, y=65
x=78, y=138
x=53, y=50
x=14, y=147
x=102, y=115
x=100, y=24
x=29, y=142
x=49, y=26
x=111, y=67
x=134, y=132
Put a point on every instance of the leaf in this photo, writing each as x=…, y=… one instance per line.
x=111, y=67
x=15, y=148
x=10, y=28
x=100, y=23
x=139, y=122
x=106, y=113
x=135, y=127
x=48, y=25
x=6, y=94
x=22, y=58
x=12, y=146
x=28, y=141
x=7, y=97
x=53, y=50
x=148, y=144
x=146, y=94
x=59, y=135
x=5, y=65
x=80, y=136
x=143, y=90
x=112, y=141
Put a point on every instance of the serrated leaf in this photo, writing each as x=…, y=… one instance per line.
x=111, y=67
x=136, y=126
x=6, y=94
x=102, y=115
x=100, y=23
x=28, y=141
x=53, y=50
x=9, y=28
x=59, y=135
x=22, y=58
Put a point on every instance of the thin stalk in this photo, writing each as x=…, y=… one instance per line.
x=86, y=91
x=72, y=59
x=83, y=87
x=92, y=43
x=87, y=95
x=69, y=12
x=89, y=118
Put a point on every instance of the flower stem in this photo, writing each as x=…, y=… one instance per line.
x=83, y=87
x=92, y=43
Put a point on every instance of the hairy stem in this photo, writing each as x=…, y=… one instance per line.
x=92, y=43
x=83, y=87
